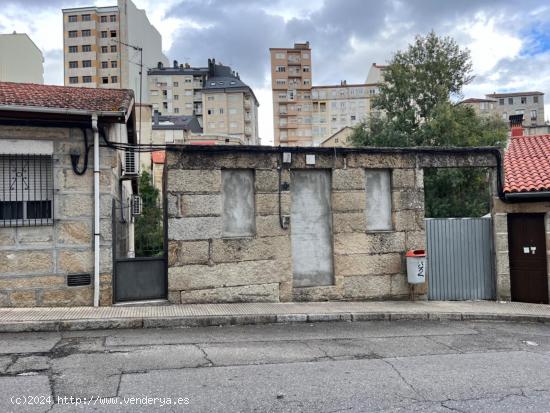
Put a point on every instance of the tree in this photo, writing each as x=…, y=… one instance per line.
x=414, y=108
x=149, y=236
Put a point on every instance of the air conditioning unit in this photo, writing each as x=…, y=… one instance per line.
x=131, y=163
x=136, y=205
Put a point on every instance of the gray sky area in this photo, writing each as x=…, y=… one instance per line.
x=509, y=41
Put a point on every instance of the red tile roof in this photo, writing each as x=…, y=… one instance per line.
x=527, y=164
x=65, y=97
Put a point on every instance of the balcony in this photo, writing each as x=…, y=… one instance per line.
x=247, y=131
x=247, y=118
x=247, y=104
x=197, y=97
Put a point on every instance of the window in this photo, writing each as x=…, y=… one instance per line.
x=510, y=101
x=221, y=111
x=501, y=102
x=86, y=48
x=86, y=33
x=238, y=203
x=378, y=190
x=86, y=63
x=73, y=19
x=280, y=82
x=280, y=69
x=113, y=49
x=176, y=84
x=26, y=190
x=535, y=99
x=112, y=18
x=114, y=79
x=523, y=100
x=176, y=110
x=86, y=79
x=307, y=82
x=352, y=117
x=533, y=115
x=113, y=33
x=73, y=65
x=187, y=81
x=73, y=33
x=279, y=55
x=176, y=97
x=86, y=17
x=103, y=19
x=104, y=65
x=104, y=49
x=165, y=105
x=73, y=79
x=104, y=34
x=519, y=111
x=211, y=97
x=305, y=69
x=113, y=64
x=105, y=80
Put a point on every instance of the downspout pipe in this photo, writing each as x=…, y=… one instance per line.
x=95, y=130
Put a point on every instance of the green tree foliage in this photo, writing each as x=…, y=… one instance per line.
x=414, y=108
x=149, y=236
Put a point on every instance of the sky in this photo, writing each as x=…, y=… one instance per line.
x=509, y=40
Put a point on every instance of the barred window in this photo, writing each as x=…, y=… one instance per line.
x=26, y=190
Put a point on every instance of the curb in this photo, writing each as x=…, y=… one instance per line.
x=254, y=319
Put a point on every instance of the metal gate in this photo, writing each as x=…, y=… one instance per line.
x=140, y=258
x=460, y=259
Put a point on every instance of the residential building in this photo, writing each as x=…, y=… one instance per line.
x=306, y=114
x=376, y=73
x=340, y=138
x=47, y=210
x=335, y=107
x=503, y=105
x=177, y=90
x=21, y=61
x=522, y=224
x=528, y=104
x=291, y=83
x=101, y=47
x=174, y=129
x=222, y=103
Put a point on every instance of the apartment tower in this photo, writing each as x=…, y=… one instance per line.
x=101, y=47
x=291, y=86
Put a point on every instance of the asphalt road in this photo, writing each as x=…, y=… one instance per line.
x=323, y=367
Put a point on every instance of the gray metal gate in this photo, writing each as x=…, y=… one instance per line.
x=140, y=263
x=460, y=259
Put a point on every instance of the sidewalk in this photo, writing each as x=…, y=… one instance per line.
x=192, y=315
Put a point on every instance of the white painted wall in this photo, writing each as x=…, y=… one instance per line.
x=140, y=32
x=20, y=59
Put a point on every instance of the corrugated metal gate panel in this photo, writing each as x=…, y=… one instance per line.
x=460, y=259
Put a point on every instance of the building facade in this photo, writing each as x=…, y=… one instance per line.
x=21, y=61
x=291, y=83
x=47, y=210
x=336, y=107
x=306, y=115
x=100, y=47
x=528, y=104
x=223, y=104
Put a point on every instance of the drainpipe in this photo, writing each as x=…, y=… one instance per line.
x=96, y=210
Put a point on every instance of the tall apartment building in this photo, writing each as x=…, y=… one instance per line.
x=306, y=115
x=21, y=60
x=96, y=51
x=221, y=101
x=291, y=85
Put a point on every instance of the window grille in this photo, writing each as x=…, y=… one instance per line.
x=26, y=190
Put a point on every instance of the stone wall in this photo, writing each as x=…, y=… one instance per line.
x=500, y=225
x=206, y=267
x=35, y=261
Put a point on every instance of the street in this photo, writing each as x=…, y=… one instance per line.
x=397, y=366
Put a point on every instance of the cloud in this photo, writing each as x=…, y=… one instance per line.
x=509, y=45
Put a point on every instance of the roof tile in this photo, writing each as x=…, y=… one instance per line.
x=527, y=164
x=65, y=97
